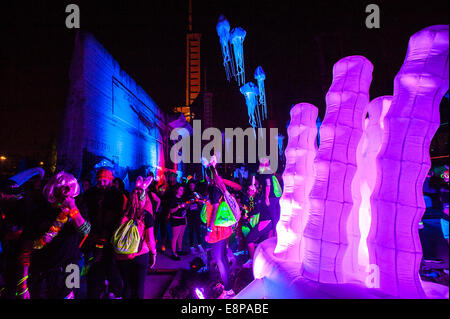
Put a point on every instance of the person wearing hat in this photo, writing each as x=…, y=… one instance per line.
x=104, y=205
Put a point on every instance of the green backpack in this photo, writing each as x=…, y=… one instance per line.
x=276, y=187
x=224, y=218
x=127, y=239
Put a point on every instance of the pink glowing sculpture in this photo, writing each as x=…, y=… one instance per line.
x=356, y=264
x=330, y=199
x=361, y=237
x=404, y=160
x=298, y=179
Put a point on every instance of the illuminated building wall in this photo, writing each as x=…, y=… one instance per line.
x=108, y=116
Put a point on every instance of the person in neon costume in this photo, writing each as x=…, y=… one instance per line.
x=217, y=236
x=237, y=37
x=223, y=31
x=250, y=92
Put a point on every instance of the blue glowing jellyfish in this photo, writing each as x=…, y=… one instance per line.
x=280, y=138
x=318, y=124
x=260, y=76
x=223, y=31
x=237, y=36
x=250, y=92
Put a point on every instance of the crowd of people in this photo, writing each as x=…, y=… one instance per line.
x=48, y=225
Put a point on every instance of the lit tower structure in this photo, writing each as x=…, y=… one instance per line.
x=198, y=100
x=192, y=66
x=192, y=69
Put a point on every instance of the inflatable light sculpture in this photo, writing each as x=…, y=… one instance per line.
x=396, y=203
x=404, y=160
x=223, y=31
x=237, y=36
x=260, y=76
x=356, y=265
x=250, y=92
x=335, y=166
x=298, y=178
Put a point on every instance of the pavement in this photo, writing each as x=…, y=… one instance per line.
x=164, y=272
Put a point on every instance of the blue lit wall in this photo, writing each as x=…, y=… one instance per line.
x=108, y=116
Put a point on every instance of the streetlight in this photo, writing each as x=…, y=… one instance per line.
x=2, y=161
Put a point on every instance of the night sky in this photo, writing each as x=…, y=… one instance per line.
x=148, y=40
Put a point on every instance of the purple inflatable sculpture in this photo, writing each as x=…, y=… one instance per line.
x=368, y=178
x=404, y=160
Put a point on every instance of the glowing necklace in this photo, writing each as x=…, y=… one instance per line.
x=59, y=223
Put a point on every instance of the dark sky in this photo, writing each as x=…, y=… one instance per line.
x=147, y=38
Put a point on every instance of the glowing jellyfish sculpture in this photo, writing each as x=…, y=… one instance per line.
x=397, y=202
x=280, y=138
x=237, y=36
x=223, y=31
x=368, y=181
x=250, y=92
x=260, y=76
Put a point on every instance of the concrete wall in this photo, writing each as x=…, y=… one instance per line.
x=108, y=116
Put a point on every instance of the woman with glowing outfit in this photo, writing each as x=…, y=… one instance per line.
x=217, y=236
x=134, y=268
x=51, y=242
